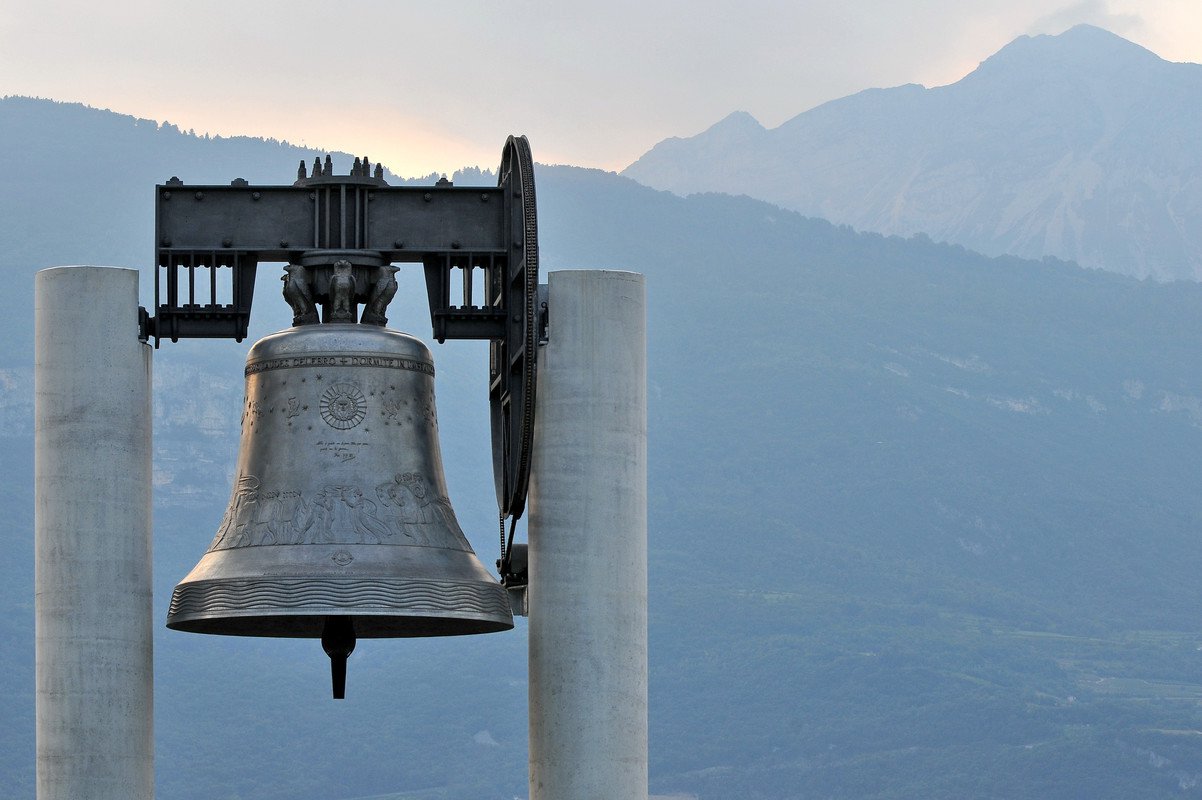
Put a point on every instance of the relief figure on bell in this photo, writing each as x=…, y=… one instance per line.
x=240, y=515
x=276, y=519
x=401, y=508
x=264, y=529
x=284, y=521
x=363, y=516
x=412, y=508
x=333, y=515
x=316, y=519
x=416, y=484
x=433, y=509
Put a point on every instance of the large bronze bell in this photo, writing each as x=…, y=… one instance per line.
x=339, y=526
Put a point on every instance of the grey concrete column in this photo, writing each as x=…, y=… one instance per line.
x=92, y=422
x=588, y=543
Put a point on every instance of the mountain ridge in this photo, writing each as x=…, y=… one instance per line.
x=1038, y=151
x=1074, y=47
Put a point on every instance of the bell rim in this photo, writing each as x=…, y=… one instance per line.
x=297, y=606
x=367, y=625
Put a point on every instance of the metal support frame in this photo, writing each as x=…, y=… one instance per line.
x=203, y=231
x=213, y=228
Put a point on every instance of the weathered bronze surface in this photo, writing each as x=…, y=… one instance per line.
x=339, y=506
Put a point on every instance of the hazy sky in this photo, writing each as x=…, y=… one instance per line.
x=428, y=86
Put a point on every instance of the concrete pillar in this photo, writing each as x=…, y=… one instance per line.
x=588, y=543
x=92, y=423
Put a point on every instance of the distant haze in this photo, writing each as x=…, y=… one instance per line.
x=1079, y=146
x=426, y=86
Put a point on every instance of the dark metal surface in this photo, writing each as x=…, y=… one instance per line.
x=203, y=230
x=279, y=223
x=514, y=355
x=338, y=640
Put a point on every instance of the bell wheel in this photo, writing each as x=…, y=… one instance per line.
x=514, y=356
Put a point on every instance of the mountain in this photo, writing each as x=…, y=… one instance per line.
x=1081, y=146
x=923, y=523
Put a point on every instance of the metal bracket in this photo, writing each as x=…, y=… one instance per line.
x=544, y=314
x=515, y=575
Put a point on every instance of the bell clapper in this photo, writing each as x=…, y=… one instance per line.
x=338, y=640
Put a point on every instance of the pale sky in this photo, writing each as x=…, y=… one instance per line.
x=433, y=86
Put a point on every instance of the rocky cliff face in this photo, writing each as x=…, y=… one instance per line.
x=1081, y=146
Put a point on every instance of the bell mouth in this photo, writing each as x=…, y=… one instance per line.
x=380, y=607
x=367, y=626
